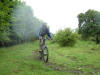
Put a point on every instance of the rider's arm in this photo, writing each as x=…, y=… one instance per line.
x=49, y=34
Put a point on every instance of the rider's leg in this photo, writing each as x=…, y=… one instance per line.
x=41, y=42
x=44, y=40
x=40, y=50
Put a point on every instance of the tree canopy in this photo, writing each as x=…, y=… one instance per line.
x=89, y=24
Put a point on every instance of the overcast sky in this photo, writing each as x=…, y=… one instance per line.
x=60, y=14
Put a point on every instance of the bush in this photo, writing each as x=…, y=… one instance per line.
x=78, y=36
x=65, y=37
x=54, y=39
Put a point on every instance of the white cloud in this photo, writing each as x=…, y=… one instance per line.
x=61, y=13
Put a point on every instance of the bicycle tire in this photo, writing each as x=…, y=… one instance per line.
x=45, y=54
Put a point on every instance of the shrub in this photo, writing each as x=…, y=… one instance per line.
x=78, y=36
x=65, y=37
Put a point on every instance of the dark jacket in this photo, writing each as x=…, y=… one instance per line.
x=44, y=32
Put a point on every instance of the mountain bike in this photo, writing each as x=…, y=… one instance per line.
x=44, y=53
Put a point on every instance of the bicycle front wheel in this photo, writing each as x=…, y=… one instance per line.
x=45, y=54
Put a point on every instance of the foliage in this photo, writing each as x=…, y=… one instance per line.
x=6, y=7
x=65, y=37
x=24, y=26
x=78, y=36
x=17, y=22
x=89, y=24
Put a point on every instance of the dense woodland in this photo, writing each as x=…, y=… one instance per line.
x=17, y=22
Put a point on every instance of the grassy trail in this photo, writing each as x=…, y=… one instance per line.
x=83, y=59
x=19, y=60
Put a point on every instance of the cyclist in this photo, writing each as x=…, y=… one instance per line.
x=41, y=34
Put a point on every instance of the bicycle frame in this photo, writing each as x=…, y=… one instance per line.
x=44, y=49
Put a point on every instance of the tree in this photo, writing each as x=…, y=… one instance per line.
x=24, y=23
x=17, y=22
x=89, y=24
x=6, y=7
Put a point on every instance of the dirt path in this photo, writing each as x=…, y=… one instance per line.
x=49, y=63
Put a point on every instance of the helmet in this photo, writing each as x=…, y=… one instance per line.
x=44, y=25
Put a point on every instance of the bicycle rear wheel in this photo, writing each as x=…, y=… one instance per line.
x=45, y=54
